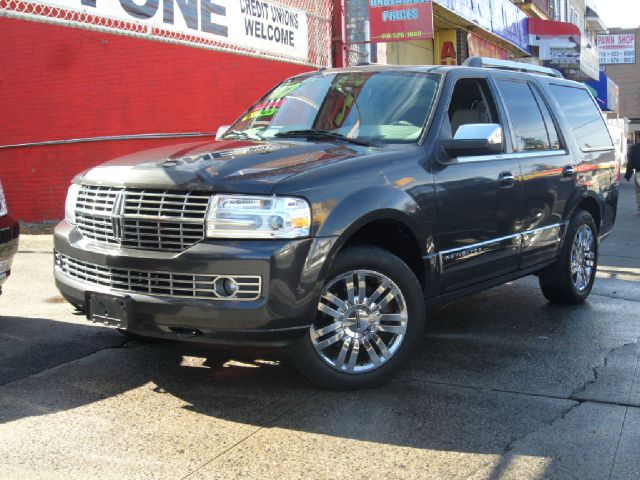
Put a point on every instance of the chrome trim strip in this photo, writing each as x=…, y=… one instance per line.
x=481, y=244
x=598, y=149
x=546, y=153
x=111, y=138
x=520, y=236
x=512, y=156
x=548, y=227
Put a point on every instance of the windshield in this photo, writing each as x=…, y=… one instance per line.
x=364, y=106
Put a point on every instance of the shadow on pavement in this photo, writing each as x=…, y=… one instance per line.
x=31, y=345
x=460, y=393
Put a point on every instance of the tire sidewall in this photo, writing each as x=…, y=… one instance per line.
x=384, y=262
x=581, y=217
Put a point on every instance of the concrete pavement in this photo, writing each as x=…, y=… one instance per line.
x=505, y=386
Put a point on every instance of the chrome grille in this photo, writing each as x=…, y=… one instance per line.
x=152, y=282
x=142, y=218
x=94, y=210
x=150, y=235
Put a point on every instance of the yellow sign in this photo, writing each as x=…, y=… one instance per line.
x=446, y=47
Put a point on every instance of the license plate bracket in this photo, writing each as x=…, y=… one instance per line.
x=110, y=310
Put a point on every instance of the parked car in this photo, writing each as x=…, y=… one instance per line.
x=341, y=208
x=9, y=233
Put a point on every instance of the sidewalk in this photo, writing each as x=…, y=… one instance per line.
x=622, y=248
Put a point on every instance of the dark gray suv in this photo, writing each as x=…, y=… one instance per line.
x=344, y=206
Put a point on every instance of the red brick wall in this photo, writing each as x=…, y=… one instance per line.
x=60, y=83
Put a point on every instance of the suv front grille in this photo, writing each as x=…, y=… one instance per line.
x=152, y=282
x=94, y=210
x=142, y=218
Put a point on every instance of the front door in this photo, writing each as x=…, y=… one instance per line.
x=478, y=198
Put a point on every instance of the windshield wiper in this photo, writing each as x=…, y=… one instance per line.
x=314, y=132
x=242, y=134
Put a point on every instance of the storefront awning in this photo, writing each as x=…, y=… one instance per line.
x=551, y=28
x=561, y=46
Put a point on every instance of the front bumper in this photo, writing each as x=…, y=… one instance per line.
x=291, y=279
x=9, y=233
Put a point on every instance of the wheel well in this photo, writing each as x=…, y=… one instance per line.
x=394, y=237
x=591, y=205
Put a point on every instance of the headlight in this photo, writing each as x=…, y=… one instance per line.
x=70, y=204
x=3, y=203
x=245, y=216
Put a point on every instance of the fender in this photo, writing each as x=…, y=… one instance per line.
x=369, y=205
x=579, y=197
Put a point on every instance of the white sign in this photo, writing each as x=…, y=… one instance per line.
x=617, y=49
x=256, y=24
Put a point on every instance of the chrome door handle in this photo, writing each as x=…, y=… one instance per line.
x=568, y=171
x=506, y=179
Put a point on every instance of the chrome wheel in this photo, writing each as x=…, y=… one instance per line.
x=362, y=321
x=583, y=257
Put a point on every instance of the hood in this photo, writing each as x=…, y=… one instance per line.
x=224, y=166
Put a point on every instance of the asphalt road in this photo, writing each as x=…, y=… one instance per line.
x=505, y=386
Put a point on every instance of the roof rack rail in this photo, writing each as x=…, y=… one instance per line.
x=484, y=62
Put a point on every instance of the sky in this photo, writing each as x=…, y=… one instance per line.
x=619, y=13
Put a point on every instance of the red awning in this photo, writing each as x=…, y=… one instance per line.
x=552, y=28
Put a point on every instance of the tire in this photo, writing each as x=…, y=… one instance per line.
x=328, y=354
x=569, y=280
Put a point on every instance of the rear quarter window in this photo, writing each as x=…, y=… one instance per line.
x=584, y=117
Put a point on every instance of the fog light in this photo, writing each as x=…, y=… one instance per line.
x=225, y=287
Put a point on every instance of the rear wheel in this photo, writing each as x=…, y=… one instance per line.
x=570, y=279
x=369, y=319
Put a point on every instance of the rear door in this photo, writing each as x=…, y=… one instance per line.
x=596, y=164
x=548, y=178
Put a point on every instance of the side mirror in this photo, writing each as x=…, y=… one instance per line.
x=475, y=139
x=221, y=131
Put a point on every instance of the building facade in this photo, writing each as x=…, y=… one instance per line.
x=85, y=81
x=620, y=54
x=443, y=32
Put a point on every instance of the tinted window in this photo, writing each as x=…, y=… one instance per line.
x=526, y=119
x=552, y=131
x=583, y=115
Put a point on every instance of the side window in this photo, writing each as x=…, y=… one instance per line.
x=584, y=117
x=471, y=102
x=552, y=131
x=526, y=118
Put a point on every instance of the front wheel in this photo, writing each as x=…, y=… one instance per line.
x=369, y=319
x=570, y=279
